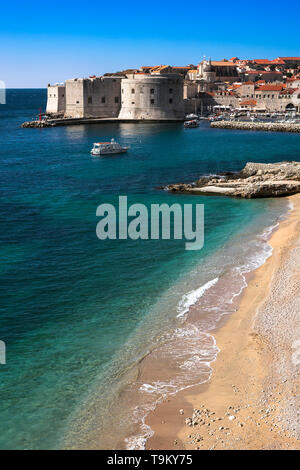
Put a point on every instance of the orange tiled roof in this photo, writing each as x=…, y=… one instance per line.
x=288, y=91
x=278, y=62
x=259, y=72
x=289, y=58
x=249, y=103
x=270, y=88
x=261, y=61
x=222, y=63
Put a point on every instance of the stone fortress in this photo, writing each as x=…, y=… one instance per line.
x=169, y=93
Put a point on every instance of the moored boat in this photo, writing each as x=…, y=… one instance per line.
x=192, y=123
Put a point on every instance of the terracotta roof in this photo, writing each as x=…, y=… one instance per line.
x=258, y=72
x=183, y=68
x=222, y=63
x=288, y=91
x=249, y=103
x=261, y=61
x=278, y=61
x=270, y=88
x=289, y=58
x=248, y=83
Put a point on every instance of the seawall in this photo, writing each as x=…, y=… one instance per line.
x=78, y=121
x=257, y=126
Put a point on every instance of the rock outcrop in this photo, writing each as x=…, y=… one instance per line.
x=256, y=180
x=40, y=124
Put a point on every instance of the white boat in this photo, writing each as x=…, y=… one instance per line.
x=107, y=148
x=191, y=116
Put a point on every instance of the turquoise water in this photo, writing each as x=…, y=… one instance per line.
x=76, y=312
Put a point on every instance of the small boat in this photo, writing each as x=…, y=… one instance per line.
x=191, y=124
x=107, y=148
x=191, y=116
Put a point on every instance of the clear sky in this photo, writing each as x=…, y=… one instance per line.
x=47, y=41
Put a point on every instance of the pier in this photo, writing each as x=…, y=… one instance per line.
x=257, y=126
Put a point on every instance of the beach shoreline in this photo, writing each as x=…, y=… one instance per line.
x=250, y=401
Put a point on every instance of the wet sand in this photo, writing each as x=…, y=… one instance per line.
x=252, y=399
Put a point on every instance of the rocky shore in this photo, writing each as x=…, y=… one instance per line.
x=257, y=126
x=256, y=180
x=37, y=124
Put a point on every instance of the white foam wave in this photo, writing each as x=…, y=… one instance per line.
x=196, y=358
x=191, y=298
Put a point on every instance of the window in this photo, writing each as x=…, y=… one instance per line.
x=132, y=90
x=77, y=102
x=152, y=101
x=122, y=90
x=103, y=99
x=171, y=91
x=152, y=91
x=132, y=102
x=90, y=100
x=171, y=100
x=116, y=99
x=63, y=95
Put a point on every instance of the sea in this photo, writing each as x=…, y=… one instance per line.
x=98, y=332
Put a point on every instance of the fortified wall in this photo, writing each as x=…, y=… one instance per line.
x=93, y=97
x=56, y=99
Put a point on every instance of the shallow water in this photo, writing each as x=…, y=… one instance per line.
x=77, y=314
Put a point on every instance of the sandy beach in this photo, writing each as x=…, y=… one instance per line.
x=252, y=398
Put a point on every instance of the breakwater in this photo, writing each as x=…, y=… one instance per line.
x=79, y=121
x=258, y=126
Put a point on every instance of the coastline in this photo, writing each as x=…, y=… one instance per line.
x=250, y=400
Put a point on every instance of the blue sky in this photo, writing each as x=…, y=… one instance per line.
x=48, y=42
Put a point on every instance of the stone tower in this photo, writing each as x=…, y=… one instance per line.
x=209, y=74
x=152, y=97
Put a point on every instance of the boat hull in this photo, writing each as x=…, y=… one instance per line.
x=112, y=152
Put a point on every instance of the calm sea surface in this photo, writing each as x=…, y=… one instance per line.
x=77, y=314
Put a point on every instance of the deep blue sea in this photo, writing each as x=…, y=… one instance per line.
x=78, y=314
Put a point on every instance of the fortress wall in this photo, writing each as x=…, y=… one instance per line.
x=56, y=99
x=74, y=98
x=152, y=97
x=102, y=97
x=98, y=97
